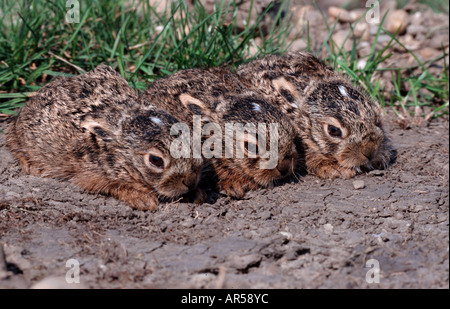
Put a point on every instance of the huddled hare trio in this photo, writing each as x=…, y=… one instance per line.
x=97, y=132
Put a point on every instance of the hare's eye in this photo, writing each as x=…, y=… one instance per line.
x=334, y=131
x=156, y=161
x=251, y=148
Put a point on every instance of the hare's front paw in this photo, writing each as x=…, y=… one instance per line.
x=138, y=200
x=334, y=171
x=235, y=188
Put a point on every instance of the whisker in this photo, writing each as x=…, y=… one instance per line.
x=294, y=174
x=150, y=192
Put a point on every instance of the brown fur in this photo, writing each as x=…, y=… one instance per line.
x=218, y=96
x=89, y=130
x=315, y=97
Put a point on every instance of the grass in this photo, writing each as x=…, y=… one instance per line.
x=36, y=44
x=435, y=5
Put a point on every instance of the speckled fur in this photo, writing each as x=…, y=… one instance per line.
x=314, y=96
x=218, y=96
x=89, y=130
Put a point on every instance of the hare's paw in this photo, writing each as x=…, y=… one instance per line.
x=333, y=171
x=235, y=190
x=138, y=200
x=347, y=173
x=28, y=167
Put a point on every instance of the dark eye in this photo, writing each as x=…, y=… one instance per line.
x=251, y=148
x=156, y=161
x=334, y=131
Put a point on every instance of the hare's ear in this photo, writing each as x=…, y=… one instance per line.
x=98, y=129
x=196, y=106
x=287, y=90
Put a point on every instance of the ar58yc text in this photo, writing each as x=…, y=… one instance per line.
x=246, y=299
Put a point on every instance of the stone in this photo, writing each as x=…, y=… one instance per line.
x=429, y=53
x=299, y=17
x=438, y=41
x=328, y=228
x=364, y=49
x=343, y=15
x=358, y=14
x=397, y=21
x=417, y=208
x=245, y=261
x=361, y=64
x=415, y=29
x=387, y=6
x=297, y=45
x=255, y=46
x=409, y=42
x=342, y=40
x=359, y=184
x=376, y=173
x=362, y=30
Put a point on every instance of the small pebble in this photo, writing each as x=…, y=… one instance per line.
x=343, y=40
x=362, y=30
x=416, y=29
x=361, y=64
x=287, y=235
x=358, y=184
x=438, y=41
x=344, y=15
x=188, y=223
x=417, y=208
x=328, y=228
x=428, y=53
x=395, y=20
x=297, y=45
x=376, y=173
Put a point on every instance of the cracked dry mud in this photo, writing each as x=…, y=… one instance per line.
x=310, y=233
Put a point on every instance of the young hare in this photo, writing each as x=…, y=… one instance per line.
x=217, y=97
x=340, y=126
x=89, y=130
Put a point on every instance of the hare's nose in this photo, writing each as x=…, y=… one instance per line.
x=368, y=152
x=284, y=167
x=190, y=181
x=369, y=156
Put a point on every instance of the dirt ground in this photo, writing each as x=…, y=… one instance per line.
x=310, y=233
